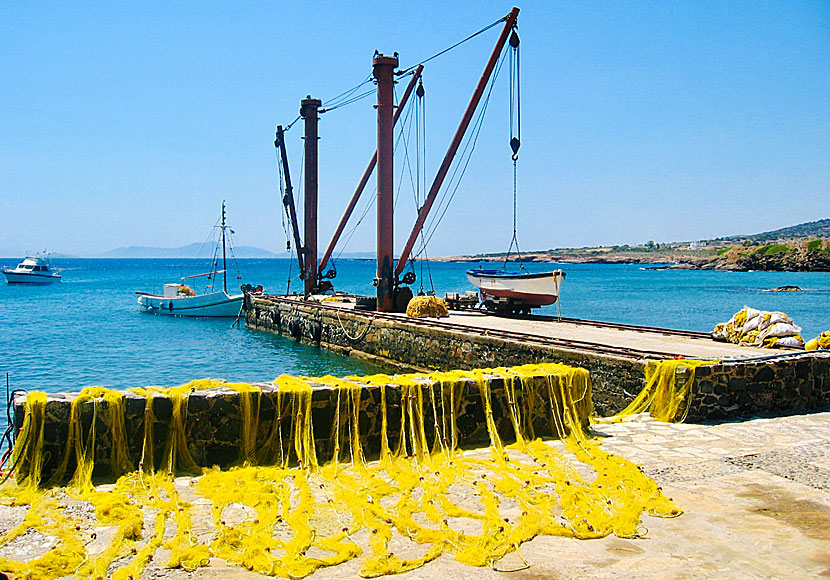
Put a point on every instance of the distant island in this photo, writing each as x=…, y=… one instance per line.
x=202, y=251
x=195, y=250
x=801, y=248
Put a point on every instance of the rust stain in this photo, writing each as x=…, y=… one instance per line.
x=810, y=517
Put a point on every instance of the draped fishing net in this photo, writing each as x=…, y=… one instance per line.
x=663, y=397
x=287, y=509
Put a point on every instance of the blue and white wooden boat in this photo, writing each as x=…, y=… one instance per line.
x=522, y=290
x=178, y=299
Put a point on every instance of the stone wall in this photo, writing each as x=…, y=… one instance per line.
x=731, y=390
x=615, y=380
x=213, y=423
x=759, y=387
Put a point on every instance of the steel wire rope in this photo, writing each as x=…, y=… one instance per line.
x=348, y=102
x=407, y=122
x=515, y=142
x=369, y=204
x=291, y=260
x=406, y=127
x=457, y=44
x=284, y=212
x=420, y=167
x=283, y=215
x=297, y=206
x=334, y=101
x=421, y=164
x=362, y=333
x=467, y=151
x=301, y=206
x=291, y=124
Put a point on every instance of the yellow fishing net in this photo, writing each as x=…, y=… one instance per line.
x=821, y=341
x=667, y=394
x=288, y=509
x=427, y=307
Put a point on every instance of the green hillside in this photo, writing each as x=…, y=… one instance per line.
x=816, y=229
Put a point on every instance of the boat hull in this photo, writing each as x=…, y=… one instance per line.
x=13, y=277
x=537, y=289
x=213, y=304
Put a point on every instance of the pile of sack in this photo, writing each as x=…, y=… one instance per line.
x=754, y=327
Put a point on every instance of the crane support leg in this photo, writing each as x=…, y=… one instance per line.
x=383, y=67
x=308, y=110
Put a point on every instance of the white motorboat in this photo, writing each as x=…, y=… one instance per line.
x=519, y=291
x=35, y=269
x=179, y=299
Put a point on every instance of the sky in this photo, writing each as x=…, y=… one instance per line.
x=127, y=124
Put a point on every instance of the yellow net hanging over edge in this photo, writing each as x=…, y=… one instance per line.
x=662, y=396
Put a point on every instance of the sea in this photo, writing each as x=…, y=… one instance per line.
x=88, y=330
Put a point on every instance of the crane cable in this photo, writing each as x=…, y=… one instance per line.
x=457, y=44
x=464, y=158
x=515, y=138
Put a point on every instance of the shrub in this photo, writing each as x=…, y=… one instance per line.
x=813, y=245
x=773, y=249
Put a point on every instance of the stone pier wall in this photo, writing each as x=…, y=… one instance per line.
x=615, y=380
x=731, y=390
x=794, y=382
x=213, y=421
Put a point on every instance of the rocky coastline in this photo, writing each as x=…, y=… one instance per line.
x=794, y=256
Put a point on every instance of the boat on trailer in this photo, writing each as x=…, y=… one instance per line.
x=35, y=269
x=516, y=292
x=179, y=299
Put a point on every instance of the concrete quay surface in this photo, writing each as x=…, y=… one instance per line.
x=756, y=497
x=582, y=335
x=644, y=339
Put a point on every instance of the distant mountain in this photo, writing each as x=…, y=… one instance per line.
x=18, y=255
x=816, y=229
x=356, y=255
x=195, y=250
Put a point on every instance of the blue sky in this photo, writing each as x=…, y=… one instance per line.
x=128, y=123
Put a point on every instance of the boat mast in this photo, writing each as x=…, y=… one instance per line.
x=224, y=266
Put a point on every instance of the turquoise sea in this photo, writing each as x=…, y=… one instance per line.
x=87, y=330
